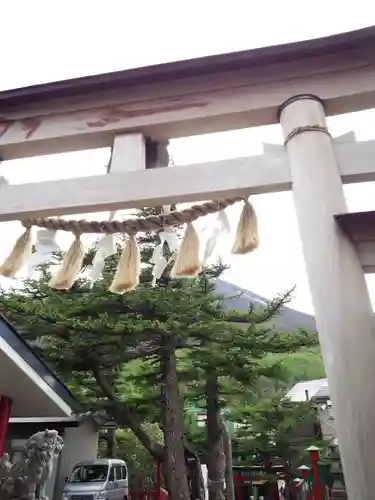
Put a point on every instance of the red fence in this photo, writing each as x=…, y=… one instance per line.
x=160, y=494
x=144, y=495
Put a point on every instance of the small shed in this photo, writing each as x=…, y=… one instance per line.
x=34, y=399
x=317, y=391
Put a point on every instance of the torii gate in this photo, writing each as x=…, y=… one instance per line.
x=297, y=84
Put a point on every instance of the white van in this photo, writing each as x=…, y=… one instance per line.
x=105, y=479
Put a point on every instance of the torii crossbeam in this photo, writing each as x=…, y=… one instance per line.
x=296, y=83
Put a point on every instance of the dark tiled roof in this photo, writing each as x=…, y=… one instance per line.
x=288, y=319
x=263, y=56
x=12, y=337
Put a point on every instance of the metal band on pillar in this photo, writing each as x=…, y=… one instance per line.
x=298, y=97
x=307, y=128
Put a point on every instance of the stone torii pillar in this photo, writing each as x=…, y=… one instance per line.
x=338, y=288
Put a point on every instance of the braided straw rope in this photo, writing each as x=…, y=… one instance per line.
x=308, y=128
x=133, y=226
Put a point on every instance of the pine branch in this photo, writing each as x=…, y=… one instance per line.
x=121, y=413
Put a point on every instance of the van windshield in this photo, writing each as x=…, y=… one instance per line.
x=89, y=474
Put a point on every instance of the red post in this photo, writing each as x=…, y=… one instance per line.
x=5, y=411
x=237, y=478
x=158, y=480
x=314, y=455
x=304, y=470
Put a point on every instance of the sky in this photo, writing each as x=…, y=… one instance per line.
x=58, y=40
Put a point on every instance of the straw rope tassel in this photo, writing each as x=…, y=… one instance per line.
x=247, y=238
x=18, y=256
x=128, y=269
x=70, y=267
x=187, y=263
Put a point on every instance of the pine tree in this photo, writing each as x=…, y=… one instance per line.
x=132, y=355
x=229, y=358
x=235, y=368
x=274, y=430
x=88, y=335
x=91, y=338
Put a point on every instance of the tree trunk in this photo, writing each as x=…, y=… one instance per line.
x=215, y=448
x=229, y=480
x=173, y=426
x=271, y=489
x=195, y=476
x=124, y=418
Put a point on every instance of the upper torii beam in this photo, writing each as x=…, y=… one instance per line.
x=198, y=96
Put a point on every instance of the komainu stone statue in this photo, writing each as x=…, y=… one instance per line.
x=5, y=465
x=26, y=479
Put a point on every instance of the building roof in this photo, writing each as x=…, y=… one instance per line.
x=240, y=300
x=309, y=390
x=36, y=391
x=322, y=394
x=193, y=67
